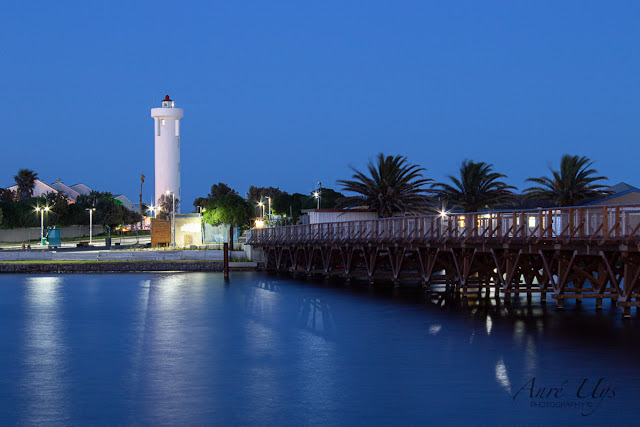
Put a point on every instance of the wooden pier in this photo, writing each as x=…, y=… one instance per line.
x=564, y=253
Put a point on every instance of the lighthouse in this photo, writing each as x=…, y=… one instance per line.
x=167, y=148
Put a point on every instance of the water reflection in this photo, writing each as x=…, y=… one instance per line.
x=190, y=349
x=164, y=363
x=501, y=375
x=139, y=333
x=45, y=355
x=312, y=314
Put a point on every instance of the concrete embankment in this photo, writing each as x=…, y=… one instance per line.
x=118, y=261
x=120, y=255
x=120, y=267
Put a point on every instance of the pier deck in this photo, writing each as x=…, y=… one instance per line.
x=566, y=253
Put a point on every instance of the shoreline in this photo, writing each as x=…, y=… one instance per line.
x=90, y=266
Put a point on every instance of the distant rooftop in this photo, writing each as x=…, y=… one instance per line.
x=622, y=187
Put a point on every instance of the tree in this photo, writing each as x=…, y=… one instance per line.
x=200, y=202
x=107, y=212
x=478, y=187
x=92, y=199
x=259, y=194
x=289, y=205
x=7, y=195
x=26, y=181
x=328, y=199
x=165, y=205
x=58, y=207
x=141, y=182
x=220, y=189
x=20, y=214
x=228, y=209
x=573, y=183
x=394, y=185
x=0, y=215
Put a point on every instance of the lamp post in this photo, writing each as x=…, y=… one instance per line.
x=262, y=206
x=173, y=218
x=269, y=206
x=90, y=223
x=317, y=193
x=41, y=210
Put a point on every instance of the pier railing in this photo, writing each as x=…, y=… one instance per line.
x=600, y=224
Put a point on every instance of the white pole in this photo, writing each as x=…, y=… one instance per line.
x=42, y=227
x=269, y=208
x=90, y=224
x=173, y=216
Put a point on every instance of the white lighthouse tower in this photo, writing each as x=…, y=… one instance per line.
x=167, y=149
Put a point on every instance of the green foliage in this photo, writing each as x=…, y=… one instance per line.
x=220, y=189
x=0, y=216
x=257, y=194
x=393, y=185
x=58, y=207
x=7, y=195
x=228, y=209
x=477, y=187
x=26, y=181
x=200, y=202
x=21, y=214
x=328, y=199
x=573, y=183
x=287, y=204
x=61, y=213
x=291, y=205
x=94, y=198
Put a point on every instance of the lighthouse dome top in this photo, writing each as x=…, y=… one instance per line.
x=167, y=102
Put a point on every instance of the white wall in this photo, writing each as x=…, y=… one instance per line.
x=321, y=217
x=17, y=235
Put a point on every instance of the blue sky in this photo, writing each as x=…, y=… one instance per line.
x=287, y=94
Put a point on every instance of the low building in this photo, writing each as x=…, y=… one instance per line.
x=81, y=189
x=40, y=189
x=72, y=192
x=321, y=216
x=125, y=201
x=623, y=194
x=191, y=230
x=188, y=229
x=69, y=192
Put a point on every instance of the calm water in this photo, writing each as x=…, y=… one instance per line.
x=186, y=348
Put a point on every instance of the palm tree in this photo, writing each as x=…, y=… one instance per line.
x=574, y=182
x=26, y=180
x=142, y=177
x=478, y=187
x=394, y=185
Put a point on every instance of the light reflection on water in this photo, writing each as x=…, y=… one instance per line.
x=191, y=349
x=44, y=354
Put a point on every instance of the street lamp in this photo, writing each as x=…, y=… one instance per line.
x=173, y=217
x=90, y=222
x=262, y=206
x=269, y=206
x=316, y=194
x=153, y=210
x=42, y=210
